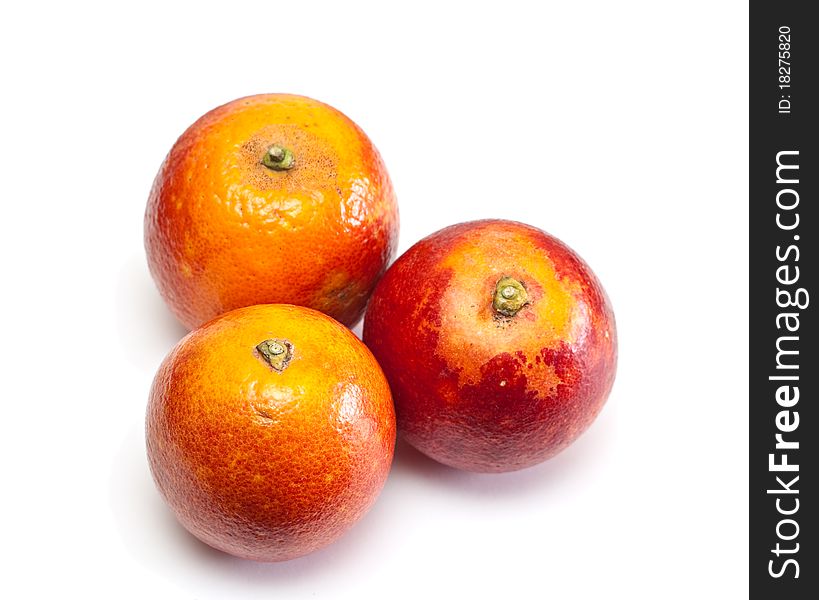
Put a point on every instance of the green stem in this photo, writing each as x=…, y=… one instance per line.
x=278, y=158
x=510, y=296
x=276, y=353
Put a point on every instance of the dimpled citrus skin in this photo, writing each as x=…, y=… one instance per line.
x=474, y=389
x=263, y=464
x=223, y=231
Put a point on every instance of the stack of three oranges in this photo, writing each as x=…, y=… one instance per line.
x=271, y=427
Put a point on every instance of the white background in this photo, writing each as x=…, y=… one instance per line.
x=620, y=127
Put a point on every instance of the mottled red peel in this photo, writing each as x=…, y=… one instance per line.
x=483, y=395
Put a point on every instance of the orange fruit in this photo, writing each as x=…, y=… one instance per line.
x=270, y=431
x=498, y=341
x=270, y=199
